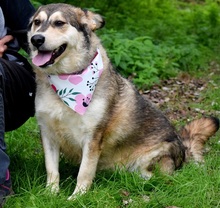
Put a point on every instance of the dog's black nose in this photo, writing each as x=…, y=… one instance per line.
x=37, y=40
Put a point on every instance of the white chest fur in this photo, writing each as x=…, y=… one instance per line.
x=58, y=122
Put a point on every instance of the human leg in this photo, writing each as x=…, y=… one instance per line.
x=5, y=181
x=4, y=159
x=17, y=92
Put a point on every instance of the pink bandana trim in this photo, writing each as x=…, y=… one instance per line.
x=76, y=90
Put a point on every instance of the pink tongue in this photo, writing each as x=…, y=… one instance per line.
x=42, y=58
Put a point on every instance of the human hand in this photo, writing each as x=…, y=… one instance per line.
x=3, y=42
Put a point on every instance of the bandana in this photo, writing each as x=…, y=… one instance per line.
x=76, y=90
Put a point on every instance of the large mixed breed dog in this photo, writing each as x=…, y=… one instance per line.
x=86, y=110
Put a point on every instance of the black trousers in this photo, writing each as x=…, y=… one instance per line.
x=17, y=94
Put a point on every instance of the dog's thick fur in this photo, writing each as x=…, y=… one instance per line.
x=120, y=127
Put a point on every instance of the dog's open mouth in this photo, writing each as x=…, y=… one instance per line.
x=45, y=58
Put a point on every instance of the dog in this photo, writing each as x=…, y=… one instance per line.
x=90, y=113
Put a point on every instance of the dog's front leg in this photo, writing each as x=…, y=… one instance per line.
x=51, y=151
x=90, y=156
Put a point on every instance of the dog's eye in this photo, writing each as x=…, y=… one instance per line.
x=59, y=23
x=37, y=22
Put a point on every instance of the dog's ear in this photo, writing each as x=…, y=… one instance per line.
x=94, y=21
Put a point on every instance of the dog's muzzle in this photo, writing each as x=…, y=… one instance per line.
x=44, y=56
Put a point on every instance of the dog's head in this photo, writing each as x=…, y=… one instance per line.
x=60, y=35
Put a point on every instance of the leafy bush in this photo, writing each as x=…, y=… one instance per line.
x=139, y=58
x=146, y=62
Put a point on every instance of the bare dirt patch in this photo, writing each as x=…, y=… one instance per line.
x=175, y=96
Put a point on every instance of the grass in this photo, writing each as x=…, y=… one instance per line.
x=190, y=187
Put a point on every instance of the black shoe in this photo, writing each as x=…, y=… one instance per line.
x=5, y=190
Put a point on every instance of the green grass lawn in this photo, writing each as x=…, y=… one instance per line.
x=190, y=187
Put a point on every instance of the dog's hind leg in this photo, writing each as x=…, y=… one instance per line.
x=51, y=151
x=90, y=156
x=165, y=164
x=148, y=160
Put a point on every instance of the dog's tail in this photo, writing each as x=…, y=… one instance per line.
x=195, y=134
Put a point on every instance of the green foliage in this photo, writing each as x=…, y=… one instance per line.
x=181, y=36
x=139, y=58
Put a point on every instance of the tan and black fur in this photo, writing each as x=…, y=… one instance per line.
x=120, y=127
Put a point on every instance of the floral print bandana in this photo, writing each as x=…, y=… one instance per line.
x=76, y=90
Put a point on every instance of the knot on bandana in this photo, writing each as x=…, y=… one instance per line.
x=76, y=90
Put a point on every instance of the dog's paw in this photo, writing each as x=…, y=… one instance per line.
x=79, y=190
x=75, y=195
x=72, y=197
x=53, y=189
x=146, y=174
